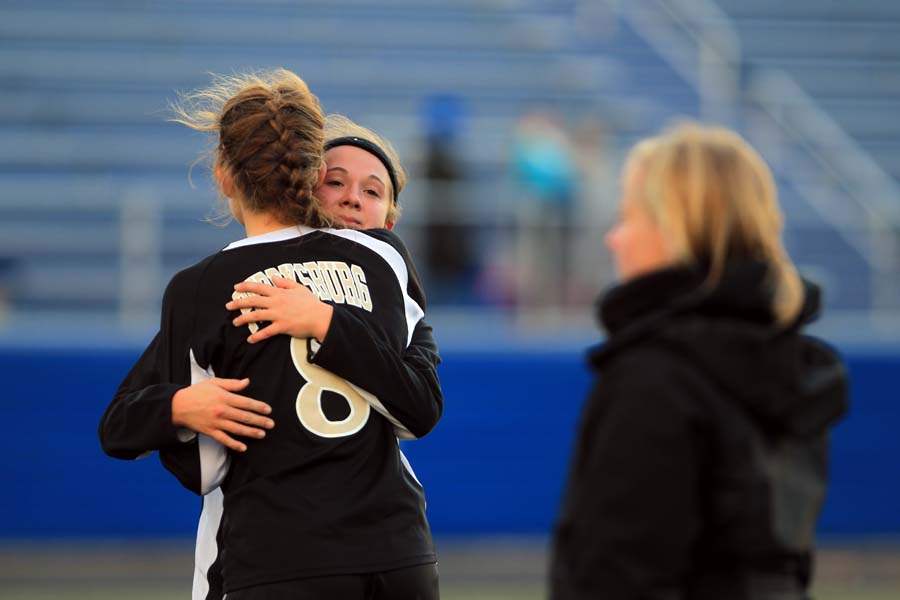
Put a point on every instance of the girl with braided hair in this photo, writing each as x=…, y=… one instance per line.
x=315, y=500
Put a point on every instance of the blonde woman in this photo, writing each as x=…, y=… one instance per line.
x=699, y=468
x=316, y=499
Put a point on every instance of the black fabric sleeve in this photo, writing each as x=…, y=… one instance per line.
x=414, y=284
x=139, y=418
x=183, y=461
x=634, y=514
x=140, y=421
x=406, y=382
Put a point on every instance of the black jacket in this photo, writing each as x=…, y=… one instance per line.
x=700, y=464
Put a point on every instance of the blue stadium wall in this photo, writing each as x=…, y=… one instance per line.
x=494, y=465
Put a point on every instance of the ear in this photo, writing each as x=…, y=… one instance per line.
x=323, y=170
x=224, y=180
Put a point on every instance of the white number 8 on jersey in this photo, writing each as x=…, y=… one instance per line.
x=309, y=399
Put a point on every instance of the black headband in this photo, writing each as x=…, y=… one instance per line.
x=373, y=149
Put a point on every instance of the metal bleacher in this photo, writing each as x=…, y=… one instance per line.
x=843, y=56
x=83, y=107
x=85, y=148
x=799, y=79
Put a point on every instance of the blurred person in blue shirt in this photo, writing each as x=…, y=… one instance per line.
x=546, y=173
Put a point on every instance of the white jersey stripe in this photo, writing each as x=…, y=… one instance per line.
x=400, y=429
x=409, y=470
x=207, y=549
x=266, y=238
x=414, y=312
x=214, y=463
x=214, y=459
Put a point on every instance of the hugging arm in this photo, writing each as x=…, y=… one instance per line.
x=167, y=399
x=405, y=383
x=139, y=418
x=401, y=383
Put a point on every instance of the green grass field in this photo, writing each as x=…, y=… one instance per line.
x=503, y=569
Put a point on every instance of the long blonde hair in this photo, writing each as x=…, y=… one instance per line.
x=715, y=200
x=269, y=130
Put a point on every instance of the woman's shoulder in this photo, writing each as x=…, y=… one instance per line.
x=382, y=242
x=186, y=280
x=646, y=388
x=650, y=366
x=646, y=349
x=388, y=237
x=652, y=375
x=391, y=248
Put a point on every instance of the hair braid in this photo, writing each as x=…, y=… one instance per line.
x=271, y=138
x=297, y=171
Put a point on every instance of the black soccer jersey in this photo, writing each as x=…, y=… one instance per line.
x=328, y=490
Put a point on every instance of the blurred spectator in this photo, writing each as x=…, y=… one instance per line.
x=701, y=461
x=448, y=248
x=595, y=209
x=544, y=170
x=9, y=271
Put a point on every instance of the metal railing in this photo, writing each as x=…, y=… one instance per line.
x=697, y=40
x=862, y=202
x=701, y=44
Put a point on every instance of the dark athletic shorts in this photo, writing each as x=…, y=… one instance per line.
x=411, y=583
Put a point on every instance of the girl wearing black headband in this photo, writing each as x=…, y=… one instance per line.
x=402, y=384
x=362, y=182
x=369, y=199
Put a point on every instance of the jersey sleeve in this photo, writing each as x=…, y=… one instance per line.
x=202, y=463
x=404, y=383
x=139, y=418
x=414, y=287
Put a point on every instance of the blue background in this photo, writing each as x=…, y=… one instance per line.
x=494, y=465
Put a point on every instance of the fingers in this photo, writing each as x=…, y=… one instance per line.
x=249, y=302
x=244, y=403
x=285, y=284
x=227, y=441
x=255, y=420
x=255, y=288
x=231, y=385
x=249, y=418
x=242, y=430
x=266, y=333
x=253, y=317
x=240, y=421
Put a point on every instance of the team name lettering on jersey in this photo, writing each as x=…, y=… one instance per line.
x=330, y=280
